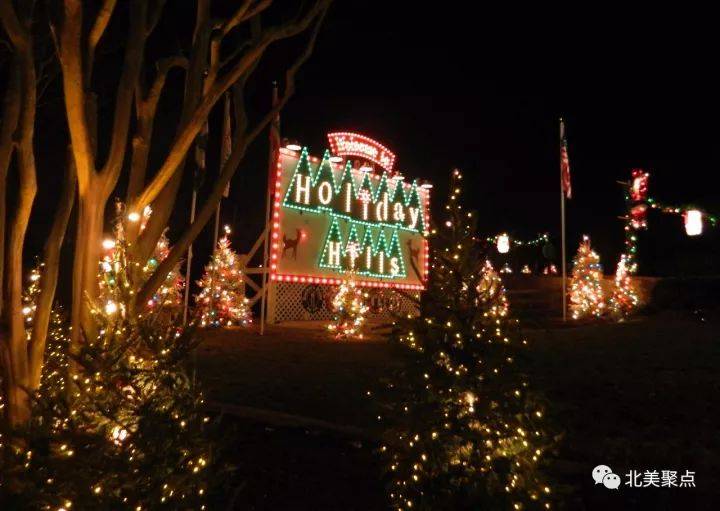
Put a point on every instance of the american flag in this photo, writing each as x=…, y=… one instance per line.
x=564, y=163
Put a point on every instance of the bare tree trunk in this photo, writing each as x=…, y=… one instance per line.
x=94, y=187
x=15, y=343
x=87, y=255
x=10, y=117
x=50, y=276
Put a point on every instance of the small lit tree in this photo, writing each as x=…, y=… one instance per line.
x=56, y=360
x=586, y=293
x=491, y=293
x=222, y=301
x=349, y=309
x=624, y=299
x=462, y=430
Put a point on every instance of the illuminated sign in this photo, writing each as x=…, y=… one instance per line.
x=353, y=144
x=331, y=219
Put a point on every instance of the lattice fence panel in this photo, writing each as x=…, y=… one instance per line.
x=295, y=301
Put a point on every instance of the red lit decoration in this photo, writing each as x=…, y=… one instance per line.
x=354, y=144
x=639, y=185
x=638, y=216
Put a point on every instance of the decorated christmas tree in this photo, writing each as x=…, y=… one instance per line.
x=349, y=309
x=222, y=301
x=122, y=426
x=624, y=299
x=461, y=427
x=586, y=293
x=169, y=296
x=116, y=275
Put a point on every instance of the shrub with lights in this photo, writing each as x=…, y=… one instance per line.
x=222, y=301
x=624, y=299
x=462, y=430
x=121, y=427
x=586, y=293
x=53, y=378
x=349, y=308
x=491, y=294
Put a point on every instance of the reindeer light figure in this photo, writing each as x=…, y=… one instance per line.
x=292, y=243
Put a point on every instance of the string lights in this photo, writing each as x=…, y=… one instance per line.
x=349, y=306
x=638, y=204
x=624, y=299
x=503, y=242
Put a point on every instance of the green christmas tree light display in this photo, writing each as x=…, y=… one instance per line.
x=462, y=429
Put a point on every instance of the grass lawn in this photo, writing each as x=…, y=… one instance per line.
x=643, y=395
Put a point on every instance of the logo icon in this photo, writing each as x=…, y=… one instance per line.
x=602, y=474
x=611, y=481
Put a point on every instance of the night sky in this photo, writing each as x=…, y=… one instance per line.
x=483, y=90
x=445, y=86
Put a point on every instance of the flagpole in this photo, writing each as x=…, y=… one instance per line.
x=562, y=232
x=200, y=144
x=189, y=258
x=217, y=224
x=268, y=200
x=225, y=148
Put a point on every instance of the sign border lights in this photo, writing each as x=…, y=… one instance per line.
x=345, y=143
x=368, y=238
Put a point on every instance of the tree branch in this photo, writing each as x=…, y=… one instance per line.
x=124, y=100
x=228, y=170
x=70, y=55
x=146, y=109
x=194, y=89
x=154, y=17
x=8, y=125
x=51, y=261
x=19, y=35
x=243, y=13
x=96, y=33
x=185, y=139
